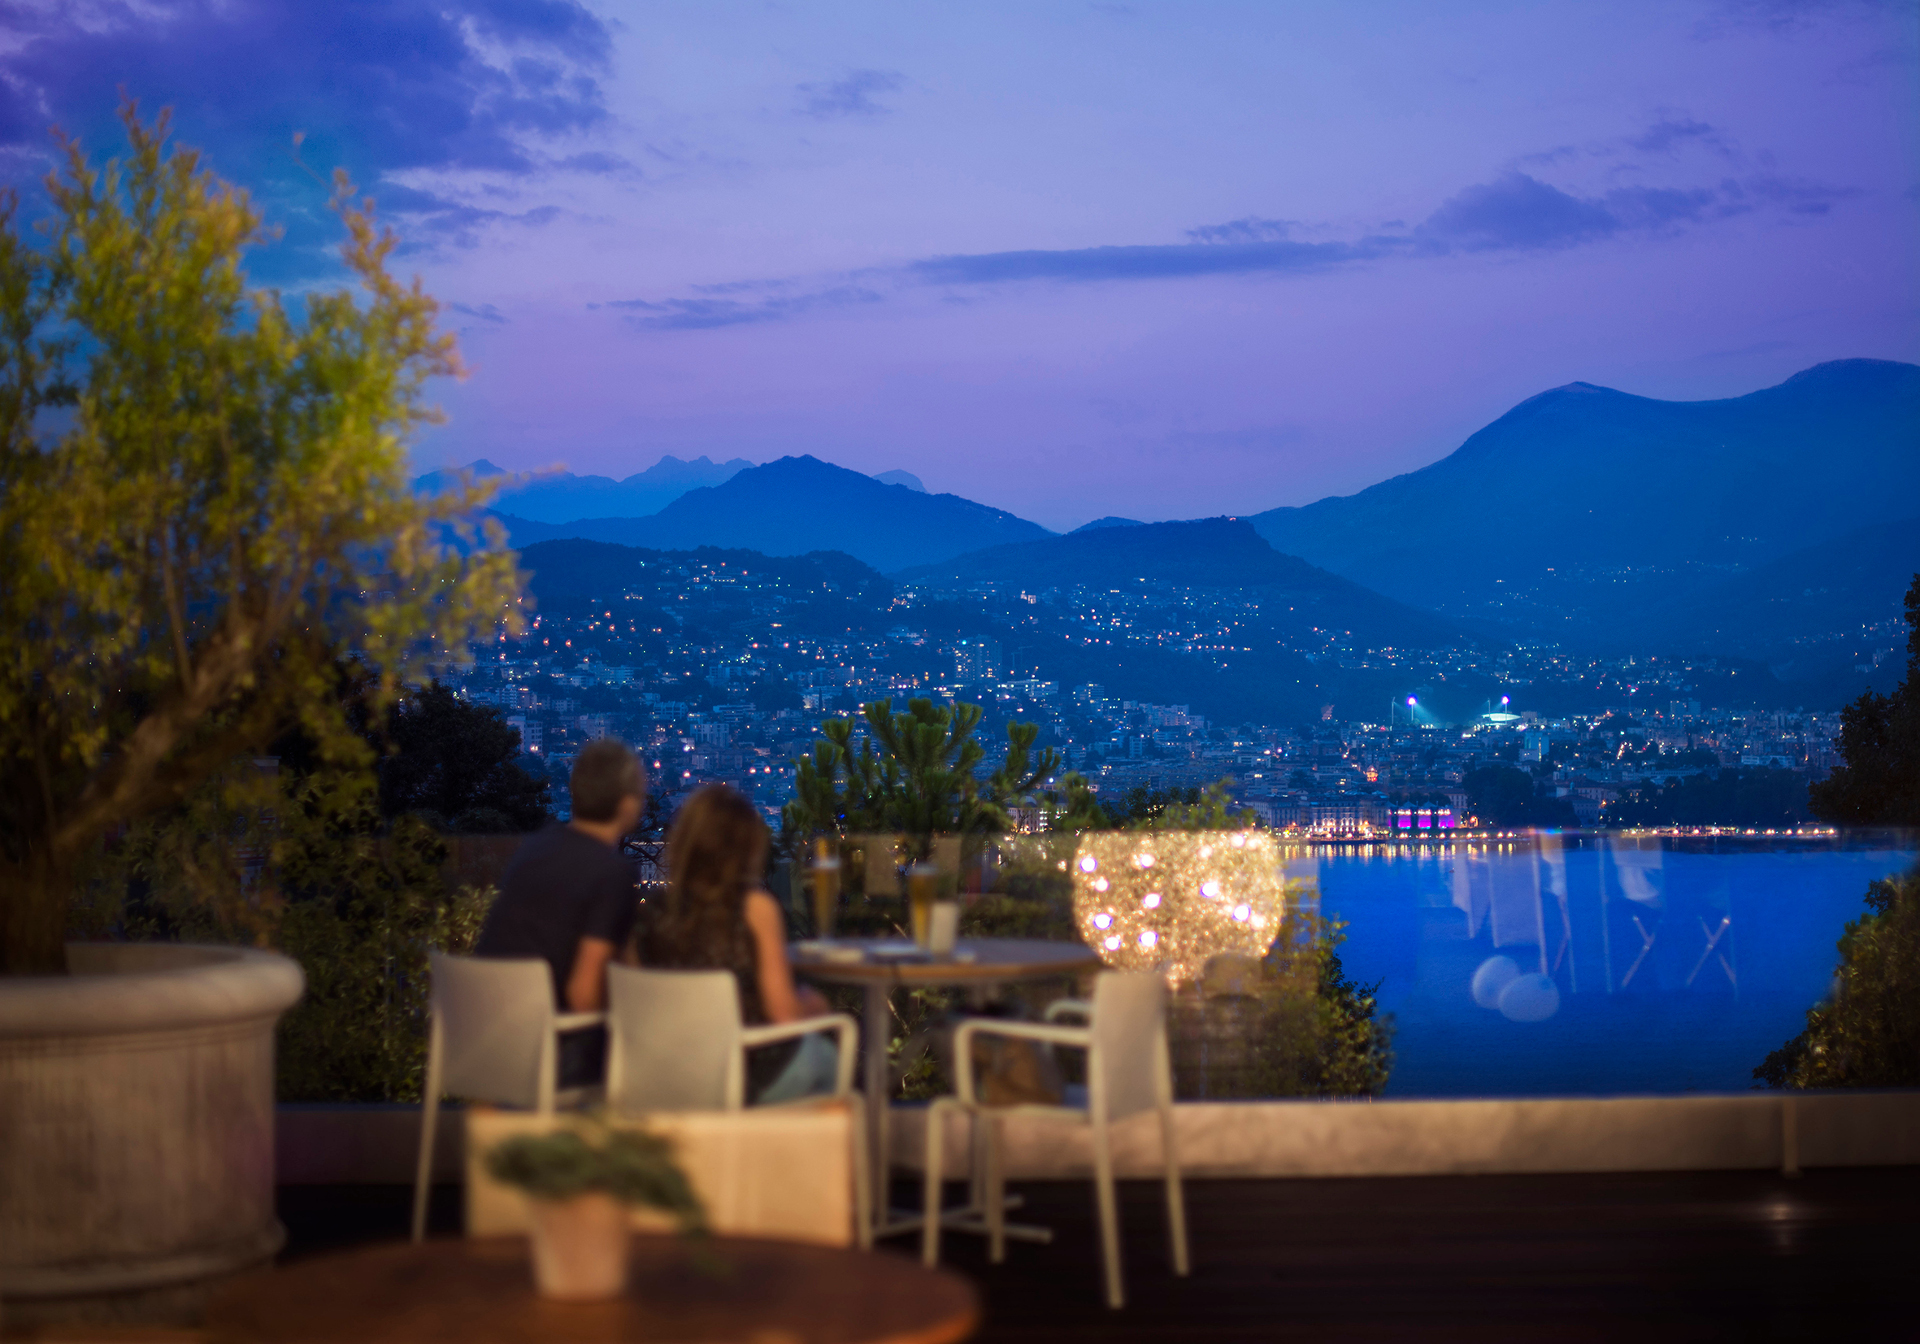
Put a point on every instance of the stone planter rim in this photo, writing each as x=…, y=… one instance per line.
x=121, y=989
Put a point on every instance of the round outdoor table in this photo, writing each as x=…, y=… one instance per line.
x=482, y=1290
x=976, y=963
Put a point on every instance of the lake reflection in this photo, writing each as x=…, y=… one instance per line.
x=1594, y=964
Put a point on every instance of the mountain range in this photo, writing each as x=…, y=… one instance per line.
x=1583, y=507
x=796, y=505
x=1751, y=524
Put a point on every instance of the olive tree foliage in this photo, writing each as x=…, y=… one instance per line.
x=204, y=513
x=913, y=773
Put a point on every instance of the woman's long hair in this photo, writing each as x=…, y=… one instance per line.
x=716, y=854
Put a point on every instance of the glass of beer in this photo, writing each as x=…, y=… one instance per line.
x=923, y=888
x=826, y=887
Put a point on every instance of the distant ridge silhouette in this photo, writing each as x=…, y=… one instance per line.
x=1603, y=502
x=796, y=505
x=560, y=497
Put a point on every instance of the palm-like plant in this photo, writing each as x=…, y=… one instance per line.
x=914, y=773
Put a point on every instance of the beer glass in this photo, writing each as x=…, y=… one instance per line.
x=923, y=888
x=826, y=893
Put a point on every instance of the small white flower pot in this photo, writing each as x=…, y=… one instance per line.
x=579, y=1247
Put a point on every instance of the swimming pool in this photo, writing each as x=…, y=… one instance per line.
x=1594, y=964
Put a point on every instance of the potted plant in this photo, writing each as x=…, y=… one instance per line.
x=210, y=541
x=580, y=1183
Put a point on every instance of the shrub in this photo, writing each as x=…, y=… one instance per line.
x=357, y=902
x=1868, y=1033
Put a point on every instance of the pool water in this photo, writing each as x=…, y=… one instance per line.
x=1594, y=965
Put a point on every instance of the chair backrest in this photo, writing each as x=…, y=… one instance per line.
x=1130, y=1039
x=495, y=1018
x=673, y=1041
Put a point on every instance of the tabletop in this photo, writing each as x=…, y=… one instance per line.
x=482, y=1290
x=974, y=960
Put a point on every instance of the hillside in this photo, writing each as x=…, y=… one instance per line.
x=1579, y=507
x=1213, y=553
x=573, y=570
x=1816, y=618
x=797, y=505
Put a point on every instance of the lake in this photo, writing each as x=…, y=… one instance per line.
x=1594, y=965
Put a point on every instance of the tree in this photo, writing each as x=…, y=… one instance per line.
x=1145, y=809
x=913, y=773
x=1728, y=797
x=1880, y=738
x=1501, y=795
x=458, y=765
x=1868, y=1034
x=204, y=512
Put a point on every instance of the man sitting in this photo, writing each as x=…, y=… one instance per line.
x=568, y=897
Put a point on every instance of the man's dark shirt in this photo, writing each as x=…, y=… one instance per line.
x=561, y=887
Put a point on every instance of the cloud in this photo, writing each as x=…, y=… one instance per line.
x=1513, y=213
x=1252, y=229
x=458, y=222
x=1516, y=211
x=1786, y=16
x=599, y=162
x=380, y=87
x=704, y=314
x=849, y=97
x=1669, y=133
x=486, y=312
x=1144, y=262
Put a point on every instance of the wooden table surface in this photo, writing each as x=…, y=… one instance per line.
x=992, y=959
x=479, y=1290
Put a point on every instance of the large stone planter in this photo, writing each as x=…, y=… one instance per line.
x=136, y=1128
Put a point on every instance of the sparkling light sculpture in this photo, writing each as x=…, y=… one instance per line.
x=1172, y=899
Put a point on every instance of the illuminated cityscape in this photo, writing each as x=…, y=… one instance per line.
x=723, y=668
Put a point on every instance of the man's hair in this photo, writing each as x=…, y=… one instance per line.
x=603, y=773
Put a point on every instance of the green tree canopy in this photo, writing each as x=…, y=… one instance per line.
x=1501, y=795
x=204, y=511
x=1880, y=737
x=913, y=773
x=457, y=764
x=1868, y=1033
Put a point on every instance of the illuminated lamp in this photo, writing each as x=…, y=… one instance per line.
x=1170, y=900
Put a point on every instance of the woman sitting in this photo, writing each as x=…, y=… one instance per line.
x=719, y=917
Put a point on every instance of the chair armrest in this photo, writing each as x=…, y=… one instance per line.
x=840, y=1024
x=575, y=1021
x=1047, y=1033
x=1080, y=1008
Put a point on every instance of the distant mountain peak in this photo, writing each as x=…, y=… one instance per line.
x=905, y=478
x=799, y=504
x=1109, y=521
x=481, y=467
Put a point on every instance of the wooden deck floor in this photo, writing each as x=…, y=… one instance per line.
x=1698, y=1255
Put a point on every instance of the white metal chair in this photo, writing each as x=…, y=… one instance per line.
x=493, y=1035
x=1128, y=1071
x=676, y=1043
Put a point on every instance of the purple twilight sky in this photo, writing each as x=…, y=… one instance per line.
x=1157, y=260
